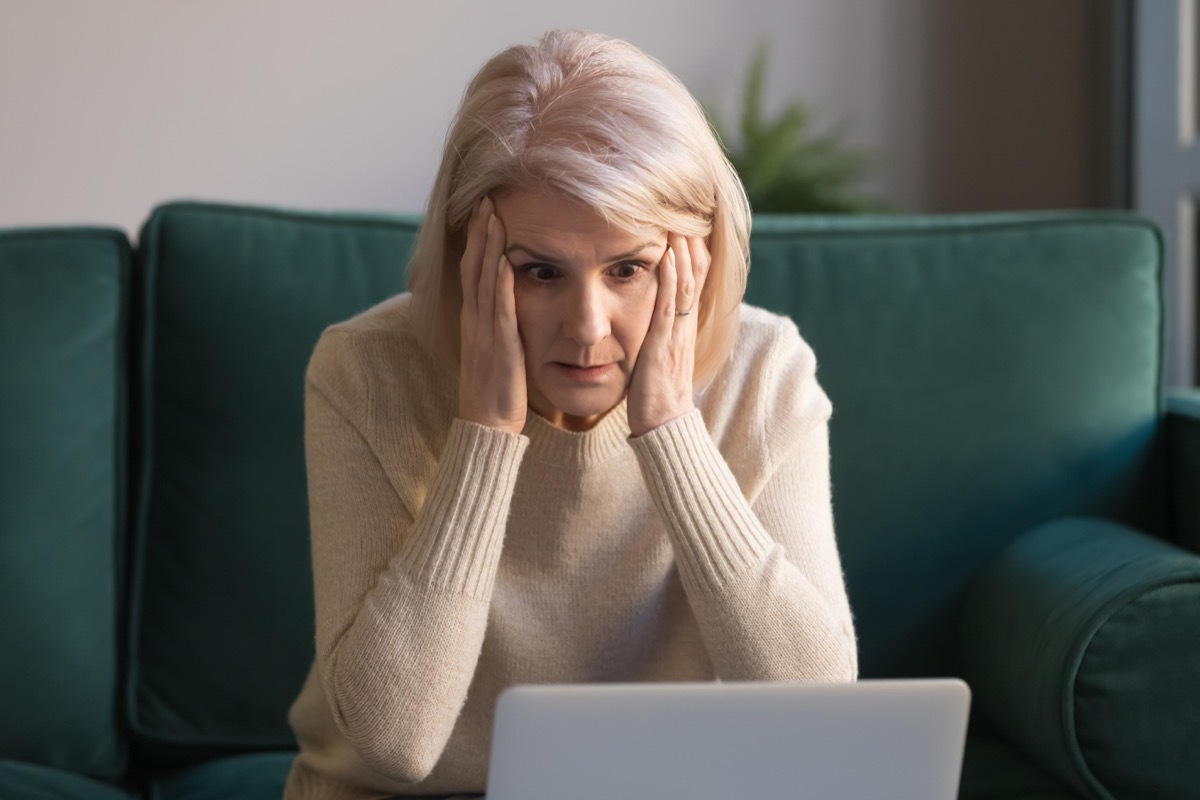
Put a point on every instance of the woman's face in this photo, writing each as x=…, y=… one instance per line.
x=585, y=293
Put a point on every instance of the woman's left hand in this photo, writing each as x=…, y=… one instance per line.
x=661, y=387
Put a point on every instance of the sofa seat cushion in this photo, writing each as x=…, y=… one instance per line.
x=21, y=781
x=256, y=776
x=993, y=769
x=64, y=306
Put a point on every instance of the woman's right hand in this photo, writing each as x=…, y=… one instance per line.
x=491, y=377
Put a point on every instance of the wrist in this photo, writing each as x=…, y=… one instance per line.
x=641, y=424
x=513, y=426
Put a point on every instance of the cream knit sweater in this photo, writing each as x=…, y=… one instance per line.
x=452, y=560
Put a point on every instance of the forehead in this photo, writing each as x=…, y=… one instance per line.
x=548, y=218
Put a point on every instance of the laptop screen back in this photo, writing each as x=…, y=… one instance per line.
x=893, y=740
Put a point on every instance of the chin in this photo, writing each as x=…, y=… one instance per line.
x=573, y=405
x=588, y=409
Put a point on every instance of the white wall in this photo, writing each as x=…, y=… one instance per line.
x=109, y=107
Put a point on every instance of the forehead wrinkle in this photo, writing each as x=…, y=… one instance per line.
x=543, y=256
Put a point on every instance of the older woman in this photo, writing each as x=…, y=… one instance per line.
x=569, y=454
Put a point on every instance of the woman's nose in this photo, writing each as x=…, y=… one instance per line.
x=586, y=320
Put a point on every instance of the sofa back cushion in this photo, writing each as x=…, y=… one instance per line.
x=988, y=373
x=221, y=632
x=64, y=305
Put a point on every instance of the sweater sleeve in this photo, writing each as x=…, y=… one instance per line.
x=401, y=595
x=763, y=578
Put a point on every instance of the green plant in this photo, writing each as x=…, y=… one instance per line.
x=784, y=166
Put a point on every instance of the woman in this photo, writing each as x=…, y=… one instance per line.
x=569, y=454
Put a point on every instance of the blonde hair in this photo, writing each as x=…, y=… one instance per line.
x=601, y=121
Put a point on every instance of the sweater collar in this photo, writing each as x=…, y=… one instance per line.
x=555, y=445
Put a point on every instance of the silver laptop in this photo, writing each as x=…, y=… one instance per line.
x=891, y=740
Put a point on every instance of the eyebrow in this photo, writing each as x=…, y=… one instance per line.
x=551, y=259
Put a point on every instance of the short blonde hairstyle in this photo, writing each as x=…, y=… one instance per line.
x=601, y=121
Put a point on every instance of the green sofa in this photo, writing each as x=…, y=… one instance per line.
x=1016, y=499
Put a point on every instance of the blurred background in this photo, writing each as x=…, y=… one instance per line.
x=107, y=108
x=113, y=106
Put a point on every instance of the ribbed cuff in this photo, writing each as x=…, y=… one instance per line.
x=456, y=542
x=715, y=533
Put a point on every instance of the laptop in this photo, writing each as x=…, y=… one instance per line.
x=875, y=739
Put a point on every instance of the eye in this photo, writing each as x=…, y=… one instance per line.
x=540, y=273
x=628, y=271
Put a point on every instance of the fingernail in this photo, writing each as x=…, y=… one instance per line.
x=491, y=224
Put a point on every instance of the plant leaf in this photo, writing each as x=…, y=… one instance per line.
x=783, y=165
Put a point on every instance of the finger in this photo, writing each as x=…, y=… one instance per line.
x=701, y=263
x=492, y=252
x=473, y=252
x=664, y=304
x=685, y=281
x=506, y=305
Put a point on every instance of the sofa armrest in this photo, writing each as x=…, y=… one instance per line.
x=1183, y=457
x=1081, y=642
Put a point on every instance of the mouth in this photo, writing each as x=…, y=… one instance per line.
x=583, y=373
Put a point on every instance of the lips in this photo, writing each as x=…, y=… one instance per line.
x=585, y=373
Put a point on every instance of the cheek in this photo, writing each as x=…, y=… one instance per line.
x=531, y=317
x=636, y=315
